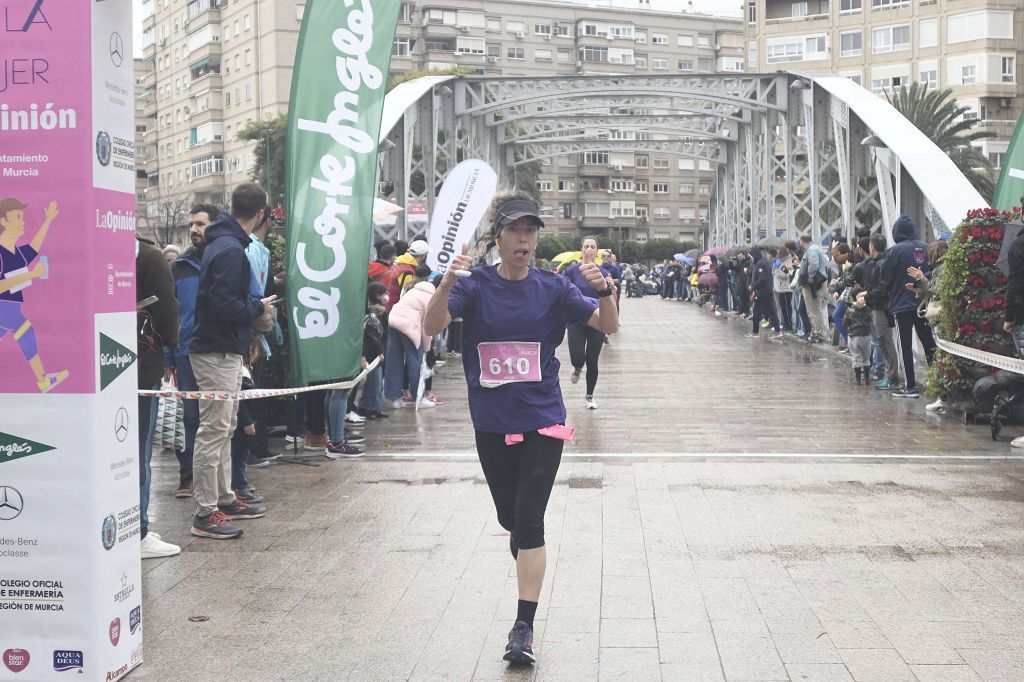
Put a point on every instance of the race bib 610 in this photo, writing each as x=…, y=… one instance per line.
x=508, y=362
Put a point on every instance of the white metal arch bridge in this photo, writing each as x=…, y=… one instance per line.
x=790, y=152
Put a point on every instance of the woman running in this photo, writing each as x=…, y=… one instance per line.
x=514, y=316
x=585, y=341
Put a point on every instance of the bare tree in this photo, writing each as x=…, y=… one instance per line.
x=167, y=216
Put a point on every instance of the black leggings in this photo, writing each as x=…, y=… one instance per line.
x=520, y=478
x=585, y=344
x=906, y=323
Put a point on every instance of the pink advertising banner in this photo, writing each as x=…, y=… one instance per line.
x=53, y=224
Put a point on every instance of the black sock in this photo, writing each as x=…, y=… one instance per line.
x=856, y=373
x=527, y=610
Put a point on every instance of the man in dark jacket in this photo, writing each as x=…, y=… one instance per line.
x=908, y=252
x=157, y=326
x=185, y=271
x=877, y=299
x=224, y=314
x=762, y=285
x=1014, y=308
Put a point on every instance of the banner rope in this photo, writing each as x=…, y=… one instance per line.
x=984, y=357
x=255, y=393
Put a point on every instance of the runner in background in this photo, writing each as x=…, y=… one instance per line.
x=514, y=317
x=585, y=341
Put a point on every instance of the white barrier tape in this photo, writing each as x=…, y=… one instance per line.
x=254, y=393
x=984, y=357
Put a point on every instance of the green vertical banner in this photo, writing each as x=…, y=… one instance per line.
x=1011, y=179
x=341, y=71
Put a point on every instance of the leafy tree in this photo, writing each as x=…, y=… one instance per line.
x=550, y=245
x=938, y=115
x=269, y=136
x=527, y=176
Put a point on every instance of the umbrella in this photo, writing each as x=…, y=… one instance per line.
x=1010, y=233
x=708, y=279
x=772, y=242
x=733, y=250
x=715, y=251
x=693, y=253
x=682, y=258
x=569, y=257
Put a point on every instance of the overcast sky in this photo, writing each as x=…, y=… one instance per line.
x=722, y=7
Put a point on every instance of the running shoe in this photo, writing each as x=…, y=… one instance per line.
x=214, y=526
x=354, y=438
x=342, y=450
x=424, y=402
x=154, y=548
x=778, y=335
x=591, y=403
x=575, y=376
x=937, y=406
x=377, y=414
x=883, y=385
x=293, y=439
x=1017, y=442
x=765, y=324
x=905, y=393
x=436, y=399
x=397, y=404
x=241, y=510
x=248, y=496
x=752, y=335
x=354, y=418
x=520, y=644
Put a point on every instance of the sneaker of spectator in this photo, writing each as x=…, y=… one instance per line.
x=354, y=418
x=315, y=441
x=1017, y=442
x=153, y=547
x=342, y=450
x=248, y=496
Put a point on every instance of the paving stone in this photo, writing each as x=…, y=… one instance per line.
x=945, y=673
x=869, y=665
x=628, y=633
x=818, y=672
x=629, y=664
x=806, y=648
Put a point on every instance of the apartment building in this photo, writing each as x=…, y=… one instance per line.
x=971, y=46
x=212, y=66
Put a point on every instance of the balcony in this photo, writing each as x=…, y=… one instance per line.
x=208, y=52
x=209, y=80
x=211, y=115
x=200, y=12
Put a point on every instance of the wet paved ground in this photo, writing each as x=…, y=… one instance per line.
x=669, y=557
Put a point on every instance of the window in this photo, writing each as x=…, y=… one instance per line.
x=640, y=61
x=515, y=53
x=661, y=188
x=246, y=23
x=659, y=39
x=850, y=43
x=685, y=65
x=799, y=9
x=494, y=51
x=640, y=37
x=400, y=48
x=598, y=209
x=890, y=39
x=886, y=4
x=968, y=74
x=929, y=74
x=227, y=98
x=593, y=54
x=703, y=40
x=660, y=163
x=622, y=184
x=564, y=55
x=542, y=55
x=470, y=45
x=623, y=209
x=641, y=212
x=1009, y=73
x=705, y=188
x=641, y=186
x=752, y=53
x=493, y=25
x=566, y=210
x=687, y=213
x=562, y=30
x=545, y=185
x=515, y=27
x=684, y=40
x=661, y=213
x=996, y=158
x=928, y=32
x=248, y=92
x=658, y=63
x=978, y=25
x=752, y=13
x=248, y=57
x=621, y=32
x=405, y=13
x=542, y=30
x=704, y=65
x=642, y=161
x=686, y=188
x=883, y=79
x=566, y=184
x=595, y=158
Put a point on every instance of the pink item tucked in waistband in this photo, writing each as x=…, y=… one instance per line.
x=557, y=431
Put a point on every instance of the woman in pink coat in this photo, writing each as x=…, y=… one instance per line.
x=406, y=340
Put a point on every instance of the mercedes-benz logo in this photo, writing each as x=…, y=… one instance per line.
x=11, y=503
x=116, y=49
x=121, y=425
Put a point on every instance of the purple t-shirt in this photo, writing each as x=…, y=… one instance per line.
x=15, y=263
x=576, y=277
x=538, y=309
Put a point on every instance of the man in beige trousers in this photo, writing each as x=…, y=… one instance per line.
x=226, y=307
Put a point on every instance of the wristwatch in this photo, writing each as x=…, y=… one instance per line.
x=607, y=292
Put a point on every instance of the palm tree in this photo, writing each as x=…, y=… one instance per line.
x=938, y=115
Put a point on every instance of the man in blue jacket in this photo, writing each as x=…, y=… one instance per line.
x=909, y=251
x=224, y=314
x=185, y=271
